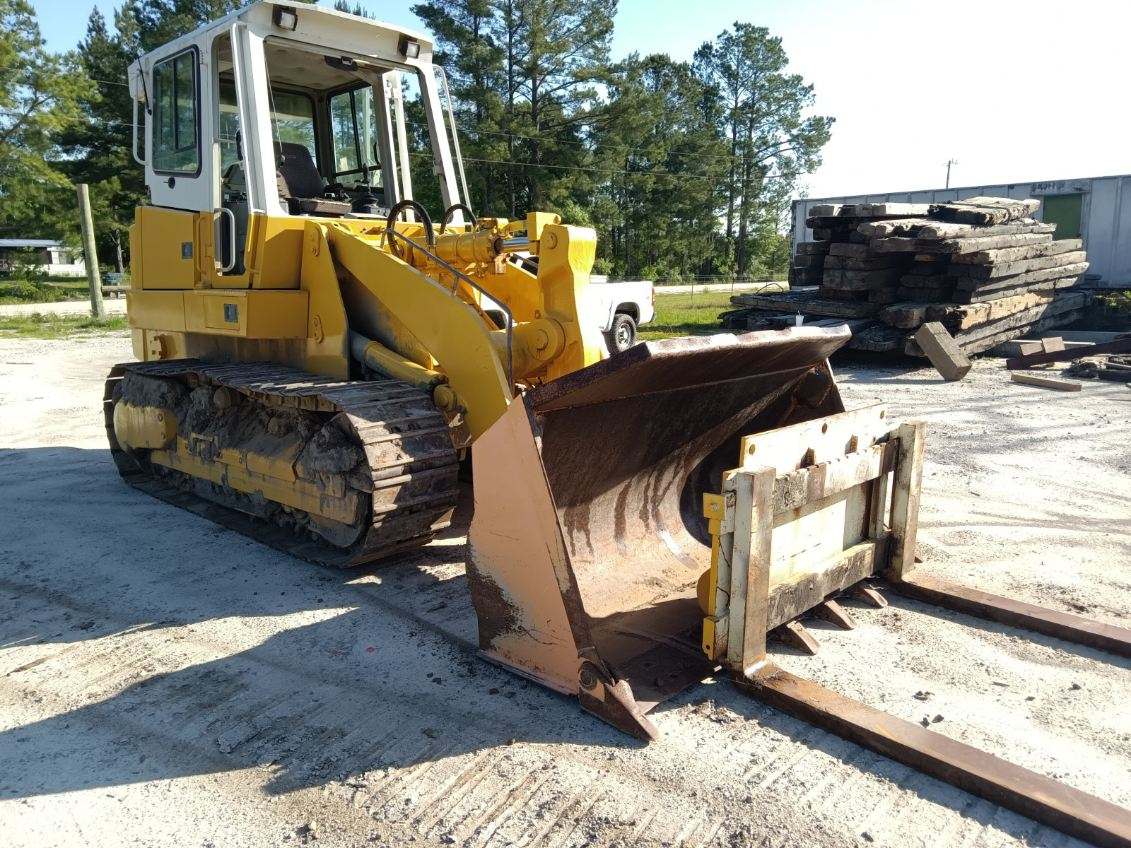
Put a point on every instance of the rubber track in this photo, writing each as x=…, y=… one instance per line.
x=414, y=487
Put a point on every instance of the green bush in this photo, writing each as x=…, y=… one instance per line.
x=1118, y=302
x=39, y=291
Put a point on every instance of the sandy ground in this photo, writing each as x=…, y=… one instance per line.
x=164, y=682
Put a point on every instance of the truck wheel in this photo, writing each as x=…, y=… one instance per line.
x=623, y=334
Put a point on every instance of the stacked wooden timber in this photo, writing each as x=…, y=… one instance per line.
x=981, y=267
x=808, y=263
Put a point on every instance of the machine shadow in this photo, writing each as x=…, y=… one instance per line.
x=320, y=673
x=359, y=670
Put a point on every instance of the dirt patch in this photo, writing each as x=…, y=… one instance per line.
x=166, y=682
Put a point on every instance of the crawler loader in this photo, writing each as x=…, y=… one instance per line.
x=319, y=359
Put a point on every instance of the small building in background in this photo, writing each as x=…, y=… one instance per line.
x=44, y=255
x=1095, y=209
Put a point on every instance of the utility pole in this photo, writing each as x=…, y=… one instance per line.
x=90, y=251
x=949, y=162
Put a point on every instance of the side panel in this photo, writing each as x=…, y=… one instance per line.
x=164, y=255
x=221, y=312
x=248, y=314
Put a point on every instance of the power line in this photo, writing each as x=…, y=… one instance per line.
x=579, y=142
x=592, y=169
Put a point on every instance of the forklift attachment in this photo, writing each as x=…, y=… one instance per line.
x=588, y=539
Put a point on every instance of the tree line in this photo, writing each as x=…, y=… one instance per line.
x=684, y=168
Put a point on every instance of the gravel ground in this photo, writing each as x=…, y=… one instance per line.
x=164, y=682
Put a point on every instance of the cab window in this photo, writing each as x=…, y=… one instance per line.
x=176, y=125
x=292, y=120
x=353, y=137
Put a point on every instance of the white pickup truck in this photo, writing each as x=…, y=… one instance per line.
x=619, y=308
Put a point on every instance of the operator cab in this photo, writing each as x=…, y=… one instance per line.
x=288, y=109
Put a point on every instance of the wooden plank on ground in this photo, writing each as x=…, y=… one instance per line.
x=1041, y=381
x=1120, y=345
x=945, y=355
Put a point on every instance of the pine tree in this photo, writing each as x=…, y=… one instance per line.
x=772, y=141
x=39, y=98
x=99, y=148
x=473, y=62
x=661, y=161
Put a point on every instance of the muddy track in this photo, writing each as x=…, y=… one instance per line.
x=407, y=481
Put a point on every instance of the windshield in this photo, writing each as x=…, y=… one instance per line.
x=292, y=121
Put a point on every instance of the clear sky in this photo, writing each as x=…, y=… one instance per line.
x=1015, y=90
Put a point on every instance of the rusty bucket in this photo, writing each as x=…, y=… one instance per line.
x=588, y=537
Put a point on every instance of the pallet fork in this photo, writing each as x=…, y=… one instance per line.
x=844, y=491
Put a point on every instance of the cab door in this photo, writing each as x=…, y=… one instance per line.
x=178, y=158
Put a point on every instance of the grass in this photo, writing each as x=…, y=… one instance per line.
x=686, y=315
x=38, y=326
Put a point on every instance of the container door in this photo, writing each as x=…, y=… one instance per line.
x=1064, y=211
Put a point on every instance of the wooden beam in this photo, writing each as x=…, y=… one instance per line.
x=1040, y=798
x=747, y=623
x=1120, y=345
x=985, y=210
x=905, y=498
x=789, y=600
x=943, y=351
x=1013, y=254
x=1043, y=382
x=787, y=449
x=817, y=482
x=1021, y=266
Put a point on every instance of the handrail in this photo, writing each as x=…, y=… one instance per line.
x=456, y=273
x=134, y=134
x=224, y=269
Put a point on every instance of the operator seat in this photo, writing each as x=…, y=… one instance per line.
x=300, y=184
